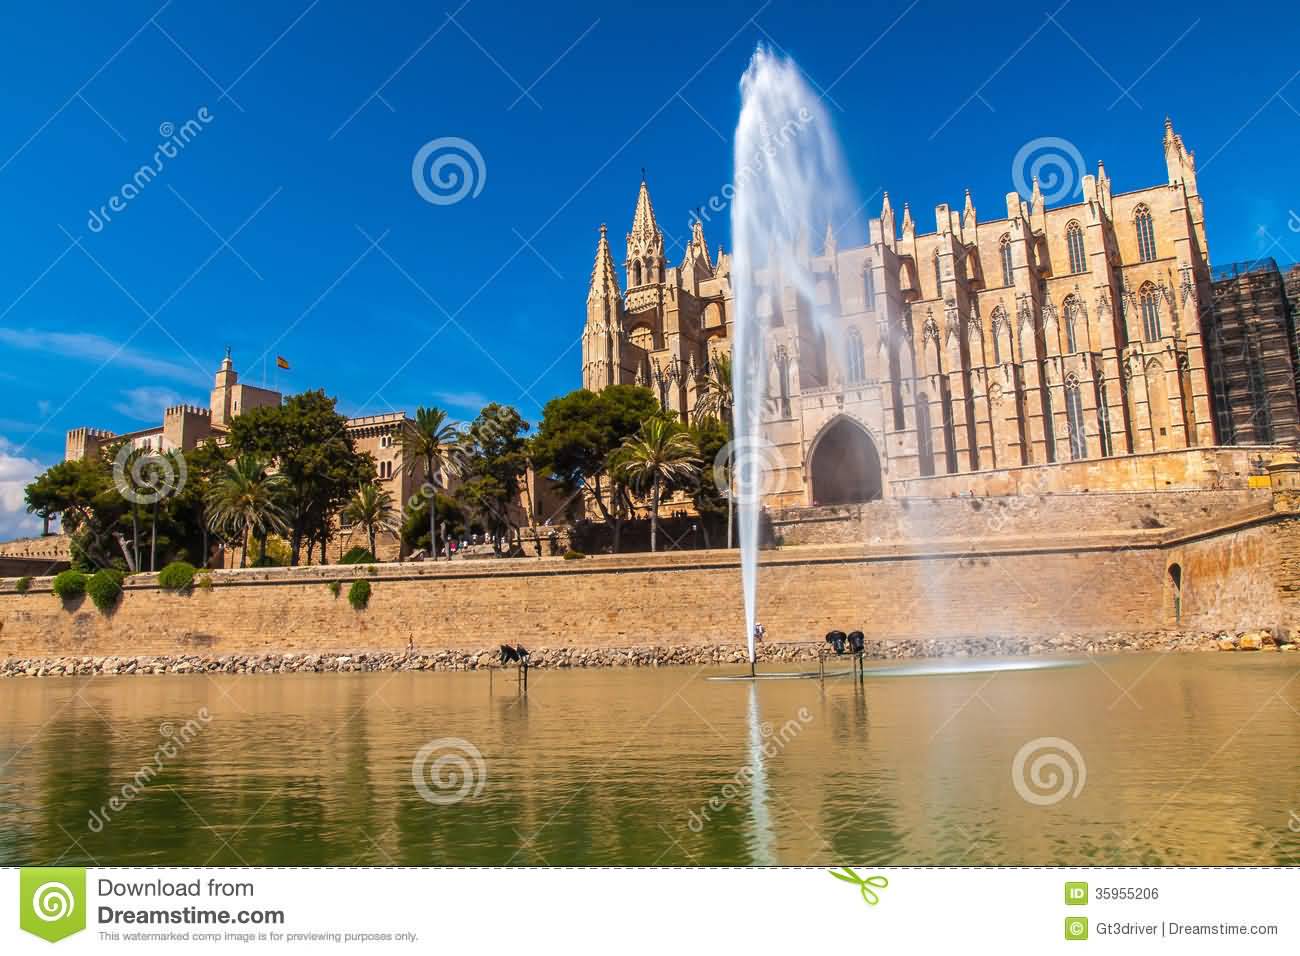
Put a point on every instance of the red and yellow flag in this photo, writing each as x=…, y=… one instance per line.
x=281, y=362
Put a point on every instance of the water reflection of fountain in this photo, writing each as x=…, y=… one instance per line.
x=763, y=851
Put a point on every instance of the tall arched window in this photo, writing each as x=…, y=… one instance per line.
x=1074, y=418
x=868, y=287
x=1074, y=243
x=783, y=380
x=1004, y=250
x=1103, y=420
x=1070, y=309
x=1146, y=233
x=636, y=272
x=1149, y=306
x=896, y=385
x=1049, y=423
x=938, y=275
x=855, y=365
x=924, y=436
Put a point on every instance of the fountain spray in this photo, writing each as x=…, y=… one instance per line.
x=789, y=186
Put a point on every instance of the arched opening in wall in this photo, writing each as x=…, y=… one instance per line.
x=1176, y=591
x=636, y=272
x=844, y=465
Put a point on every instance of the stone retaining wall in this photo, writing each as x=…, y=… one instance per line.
x=939, y=595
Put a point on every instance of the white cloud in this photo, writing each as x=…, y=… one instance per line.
x=146, y=404
x=16, y=473
x=462, y=399
x=96, y=348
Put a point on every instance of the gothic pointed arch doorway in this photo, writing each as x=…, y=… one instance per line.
x=843, y=465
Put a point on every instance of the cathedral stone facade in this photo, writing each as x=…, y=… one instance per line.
x=951, y=356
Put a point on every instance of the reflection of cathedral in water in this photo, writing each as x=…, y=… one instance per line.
x=1046, y=336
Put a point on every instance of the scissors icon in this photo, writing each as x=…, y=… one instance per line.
x=864, y=885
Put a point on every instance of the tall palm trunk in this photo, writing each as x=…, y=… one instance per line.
x=654, y=515
x=731, y=511
x=153, y=539
x=243, y=546
x=433, y=514
x=135, y=534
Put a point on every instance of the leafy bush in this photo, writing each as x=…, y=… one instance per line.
x=358, y=554
x=177, y=576
x=69, y=585
x=23, y=585
x=359, y=594
x=371, y=570
x=204, y=582
x=335, y=587
x=105, y=588
x=573, y=555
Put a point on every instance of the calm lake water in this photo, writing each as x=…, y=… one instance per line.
x=1177, y=759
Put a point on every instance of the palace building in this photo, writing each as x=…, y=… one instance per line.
x=963, y=358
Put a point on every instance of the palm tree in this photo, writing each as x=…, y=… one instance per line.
x=718, y=399
x=371, y=508
x=244, y=501
x=660, y=454
x=427, y=446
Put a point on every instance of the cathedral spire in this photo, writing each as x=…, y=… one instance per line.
x=829, y=245
x=604, y=280
x=645, y=243
x=644, y=226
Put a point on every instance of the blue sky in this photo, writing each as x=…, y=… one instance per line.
x=290, y=224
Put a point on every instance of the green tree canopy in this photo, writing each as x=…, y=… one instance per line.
x=494, y=458
x=309, y=442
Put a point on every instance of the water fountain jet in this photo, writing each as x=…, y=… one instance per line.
x=789, y=185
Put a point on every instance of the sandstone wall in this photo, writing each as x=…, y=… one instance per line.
x=1055, y=516
x=1012, y=587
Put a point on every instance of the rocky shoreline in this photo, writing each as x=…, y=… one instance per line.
x=649, y=656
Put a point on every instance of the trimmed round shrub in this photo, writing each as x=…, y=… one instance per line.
x=23, y=585
x=357, y=555
x=573, y=555
x=204, y=582
x=105, y=588
x=359, y=594
x=177, y=576
x=69, y=585
x=335, y=587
